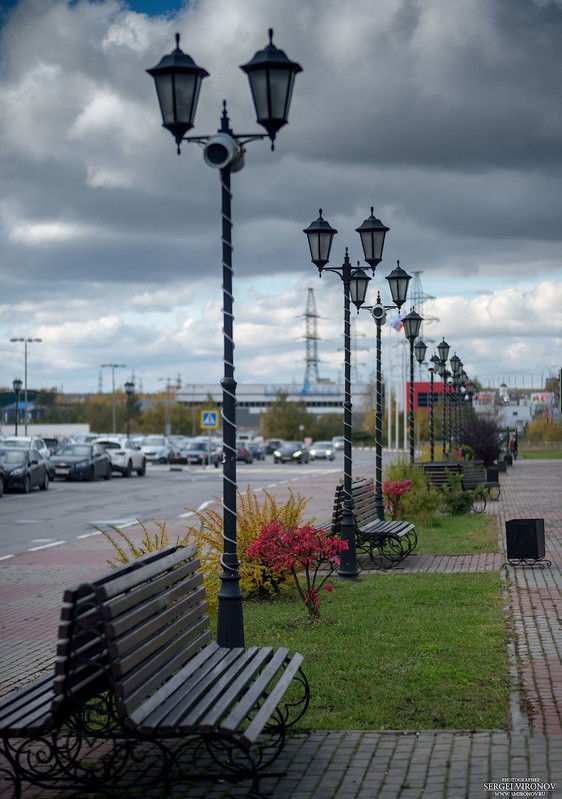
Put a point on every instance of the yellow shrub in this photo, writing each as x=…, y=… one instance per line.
x=255, y=579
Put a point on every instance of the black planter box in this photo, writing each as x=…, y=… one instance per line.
x=508, y=459
x=502, y=466
x=525, y=539
x=492, y=474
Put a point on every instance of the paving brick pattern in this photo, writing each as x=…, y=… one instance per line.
x=442, y=764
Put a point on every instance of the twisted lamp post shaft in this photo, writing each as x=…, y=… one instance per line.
x=431, y=421
x=348, y=562
x=230, y=626
x=411, y=405
x=379, y=503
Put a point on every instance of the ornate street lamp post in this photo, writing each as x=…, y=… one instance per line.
x=398, y=281
x=443, y=351
x=433, y=365
x=129, y=391
x=17, y=388
x=420, y=348
x=178, y=81
x=412, y=323
x=456, y=369
x=320, y=235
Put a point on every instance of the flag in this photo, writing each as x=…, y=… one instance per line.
x=395, y=322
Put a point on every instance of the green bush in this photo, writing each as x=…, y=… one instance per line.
x=456, y=500
x=420, y=504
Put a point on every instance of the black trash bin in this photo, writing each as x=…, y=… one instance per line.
x=525, y=540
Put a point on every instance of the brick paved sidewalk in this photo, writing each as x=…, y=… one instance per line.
x=364, y=764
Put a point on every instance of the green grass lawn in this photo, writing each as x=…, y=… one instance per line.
x=397, y=651
x=458, y=535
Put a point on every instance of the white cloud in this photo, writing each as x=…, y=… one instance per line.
x=443, y=115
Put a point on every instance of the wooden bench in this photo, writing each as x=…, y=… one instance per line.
x=386, y=542
x=440, y=474
x=475, y=476
x=139, y=678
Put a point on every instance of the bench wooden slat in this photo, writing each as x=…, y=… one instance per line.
x=237, y=715
x=29, y=708
x=255, y=727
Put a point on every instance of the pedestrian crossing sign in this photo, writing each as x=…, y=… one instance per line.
x=209, y=420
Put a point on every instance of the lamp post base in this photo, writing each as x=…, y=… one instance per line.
x=348, y=569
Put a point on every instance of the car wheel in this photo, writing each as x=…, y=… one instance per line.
x=27, y=484
x=107, y=475
x=1, y=486
x=128, y=470
x=141, y=472
x=45, y=484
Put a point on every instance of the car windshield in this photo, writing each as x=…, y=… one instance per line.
x=193, y=446
x=12, y=456
x=16, y=442
x=76, y=449
x=292, y=444
x=322, y=444
x=110, y=444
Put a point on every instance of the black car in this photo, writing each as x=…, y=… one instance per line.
x=82, y=462
x=291, y=452
x=24, y=469
x=2, y=479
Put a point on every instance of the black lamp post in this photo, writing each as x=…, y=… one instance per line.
x=17, y=384
x=420, y=348
x=456, y=369
x=443, y=351
x=433, y=365
x=129, y=391
x=412, y=323
x=178, y=81
x=320, y=235
x=398, y=281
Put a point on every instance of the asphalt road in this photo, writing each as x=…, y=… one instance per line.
x=70, y=511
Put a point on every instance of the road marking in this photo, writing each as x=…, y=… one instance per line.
x=46, y=546
x=6, y=557
x=89, y=535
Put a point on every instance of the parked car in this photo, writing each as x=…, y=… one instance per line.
x=272, y=444
x=258, y=449
x=125, y=456
x=2, y=479
x=201, y=451
x=55, y=443
x=23, y=469
x=338, y=442
x=82, y=462
x=157, y=449
x=178, y=444
x=28, y=442
x=243, y=452
x=322, y=449
x=291, y=452
x=32, y=442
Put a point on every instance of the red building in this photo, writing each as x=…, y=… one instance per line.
x=422, y=394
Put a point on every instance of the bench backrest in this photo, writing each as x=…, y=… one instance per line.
x=82, y=663
x=474, y=470
x=155, y=622
x=437, y=473
x=363, y=495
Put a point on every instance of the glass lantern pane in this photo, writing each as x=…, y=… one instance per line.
x=258, y=86
x=280, y=86
x=187, y=90
x=165, y=92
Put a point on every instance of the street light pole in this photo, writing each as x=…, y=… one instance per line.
x=113, y=367
x=129, y=391
x=412, y=323
x=433, y=365
x=398, y=281
x=320, y=235
x=178, y=82
x=26, y=341
x=17, y=388
x=443, y=351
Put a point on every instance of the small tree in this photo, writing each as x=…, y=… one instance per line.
x=483, y=436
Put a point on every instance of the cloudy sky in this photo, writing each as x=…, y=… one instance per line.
x=445, y=115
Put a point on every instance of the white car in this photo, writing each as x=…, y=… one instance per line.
x=157, y=449
x=126, y=457
x=322, y=449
